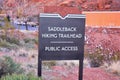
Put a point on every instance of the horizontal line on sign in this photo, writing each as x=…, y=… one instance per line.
x=67, y=16
x=61, y=42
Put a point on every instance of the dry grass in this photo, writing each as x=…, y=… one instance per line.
x=72, y=63
x=86, y=63
x=114, y=67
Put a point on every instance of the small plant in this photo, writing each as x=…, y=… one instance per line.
x=35, y=40
x=7, y=45
x=96, y=58
x=28, y=40
x=49, y=64
x=19, y=77
x=8, y=66
x=29, y=43
x=115, y=56
x=13, y=41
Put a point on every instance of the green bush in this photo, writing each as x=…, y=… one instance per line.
x=8, y=66
x=13, y=41
x=19, y=77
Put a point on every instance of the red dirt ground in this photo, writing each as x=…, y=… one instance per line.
x=61, y=73
x=107, y=38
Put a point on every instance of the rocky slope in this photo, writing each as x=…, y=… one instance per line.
x=33, y=7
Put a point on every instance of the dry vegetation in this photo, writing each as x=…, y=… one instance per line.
x=22, y=47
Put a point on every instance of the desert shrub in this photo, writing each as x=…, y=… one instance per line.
x=115, y=57
x=3, y=37
x=13, y=41
x=68, y=63
x=7, y=45
x=28, y=40
x=100, y=56
x=3, y=43
x=9, y=42
x=10, y=39
x=29, y=43
x=8, y=66
x=48, y=64
x=19, y=77
x=96, y=58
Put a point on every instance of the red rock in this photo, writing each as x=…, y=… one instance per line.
x=84, y=1
x=80, y=1
x=69, y=3
x=107, y=6
x=38, y=5
x=61, y=10
x=108, y=39
x=109, y=1
x=101, y=4
x=37, y=0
